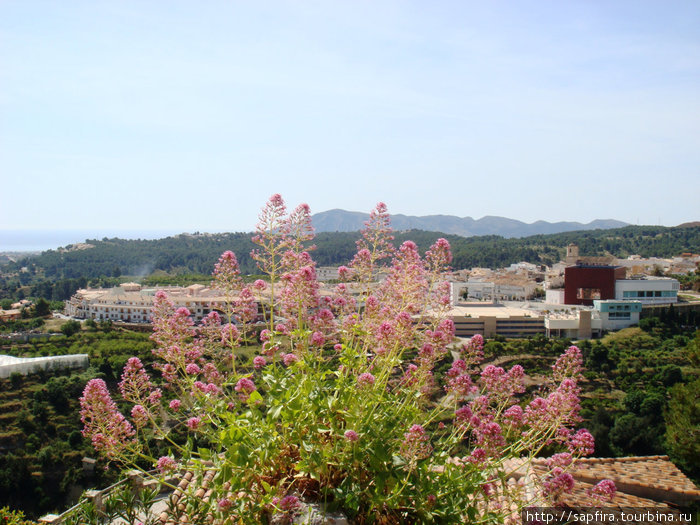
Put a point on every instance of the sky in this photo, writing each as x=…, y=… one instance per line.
x=186, y=116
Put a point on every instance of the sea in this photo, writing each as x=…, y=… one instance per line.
x=42, y=240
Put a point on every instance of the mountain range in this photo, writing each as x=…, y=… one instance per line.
x=349, y=221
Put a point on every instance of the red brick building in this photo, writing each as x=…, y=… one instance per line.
x=584, y=283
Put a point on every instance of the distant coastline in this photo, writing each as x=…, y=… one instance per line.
x=41, y=240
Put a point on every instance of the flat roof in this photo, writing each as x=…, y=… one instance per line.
x=492, y=310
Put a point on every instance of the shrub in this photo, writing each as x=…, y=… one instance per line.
x=69, y=328
x=13, y=517
x=341, y=404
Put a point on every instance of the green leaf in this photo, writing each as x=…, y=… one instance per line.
x=255, y=398
x=275, y=412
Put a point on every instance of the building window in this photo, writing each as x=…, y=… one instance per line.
x=619, y=316
x=588, y=293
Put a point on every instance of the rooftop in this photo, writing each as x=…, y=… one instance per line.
x=491, y=310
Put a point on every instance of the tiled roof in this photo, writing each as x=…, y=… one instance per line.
x=653, y=478
x=642, y=482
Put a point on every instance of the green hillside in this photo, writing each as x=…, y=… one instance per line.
x=56, y=273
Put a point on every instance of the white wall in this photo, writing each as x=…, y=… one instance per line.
x=28, y=365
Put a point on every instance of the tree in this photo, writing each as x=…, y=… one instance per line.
x=683, y=427
x=16, y=380
x=42, y=308
x=71, y=327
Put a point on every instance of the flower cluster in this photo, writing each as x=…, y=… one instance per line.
x=332, y=392
x=106, y=427
x=416, y=443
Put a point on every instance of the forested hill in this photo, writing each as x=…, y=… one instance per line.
x=197, y=253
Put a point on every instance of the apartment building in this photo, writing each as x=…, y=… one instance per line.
x=131, y=303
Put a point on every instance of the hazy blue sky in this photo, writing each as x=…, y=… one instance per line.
x=188, y=115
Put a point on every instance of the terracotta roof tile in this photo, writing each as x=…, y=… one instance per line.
x=650, y=477
x=647, y=481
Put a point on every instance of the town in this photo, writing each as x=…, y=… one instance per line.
x=579, y=298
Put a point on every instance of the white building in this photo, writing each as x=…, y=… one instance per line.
x=327, y=273
x=586, y=322
x=648, y=290
x=554, y=296
x=131, y=303
x=492, y=291
x=29, y=365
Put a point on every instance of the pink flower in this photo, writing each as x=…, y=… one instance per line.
x=227, y=274
x=154, y=396
x=135, y=384
x=317, y=339
x=477, y=457
x=582, y=443
x=502, y=384
x=260, y=285
x=463, y=414
x=365, y=380
x=259, y=361
x=568, y=364
x=175, y=404
x=344, y=273
x=563, y=459
x=224, y=504
x=212, y=389
x=603, y=492
x=514, y=416
x=416, y=444
x=108, y=429
x=193, y=423
x=192, y=369
x=230, y=334
x=557, y=484
x=490, y=437
x=166, y=464
x=460, y=386
x=290, y=504
x=289, y=359
x=439, y=256
x=475, y=344
x=139, y=415
x=351, y=435
x=244, y=387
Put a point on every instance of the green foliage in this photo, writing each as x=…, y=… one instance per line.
x=343, y=405
x=71, y=327
x=13, y=517
x=22, y=325
x=41, y=439
x=122, y=503
x=42, y=308
x=59, y=274
x=683, y=427
x=16, y=380
x=633, y=435
x=642, y=385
